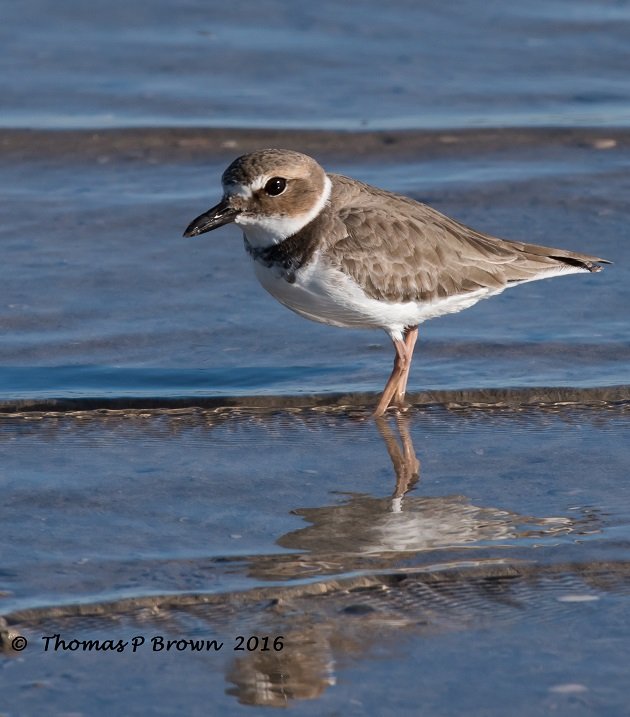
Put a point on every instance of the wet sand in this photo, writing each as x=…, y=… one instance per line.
x=186, y=144
x=488, y=399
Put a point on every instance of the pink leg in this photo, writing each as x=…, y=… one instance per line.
x=411, y=335
x=400, y=362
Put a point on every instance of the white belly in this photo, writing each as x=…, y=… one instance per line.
x=325, y=294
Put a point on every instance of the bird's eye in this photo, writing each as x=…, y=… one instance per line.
x=275, y=186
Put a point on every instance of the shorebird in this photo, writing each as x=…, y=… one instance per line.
x=341, y=252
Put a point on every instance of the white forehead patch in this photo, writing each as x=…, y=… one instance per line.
x=238, y=190
x=259, y=182
x=247, y=190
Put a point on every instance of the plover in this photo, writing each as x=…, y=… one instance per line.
x=341, y=252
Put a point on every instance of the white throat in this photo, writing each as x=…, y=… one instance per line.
x=265, y=231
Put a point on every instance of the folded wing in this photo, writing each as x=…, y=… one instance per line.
x=415, y=253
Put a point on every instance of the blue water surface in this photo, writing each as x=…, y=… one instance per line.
x=327, y=65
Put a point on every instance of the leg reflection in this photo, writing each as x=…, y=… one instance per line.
x=402, y=454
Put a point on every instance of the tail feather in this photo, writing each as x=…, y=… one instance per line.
x=590, y=263
x=549, y=258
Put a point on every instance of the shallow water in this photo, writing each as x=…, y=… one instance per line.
x=102, y=296
x=446, y=542
x=137, y=503
x=330, y=65
x=183, y=459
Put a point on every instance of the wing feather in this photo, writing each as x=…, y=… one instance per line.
x=398, y=249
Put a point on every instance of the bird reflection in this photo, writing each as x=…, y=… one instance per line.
x=370, y=536
x=365, y=525
x=301, y=672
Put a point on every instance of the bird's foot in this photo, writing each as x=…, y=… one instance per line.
x=392, y=409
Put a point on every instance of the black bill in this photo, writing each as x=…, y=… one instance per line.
x=216, y=217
